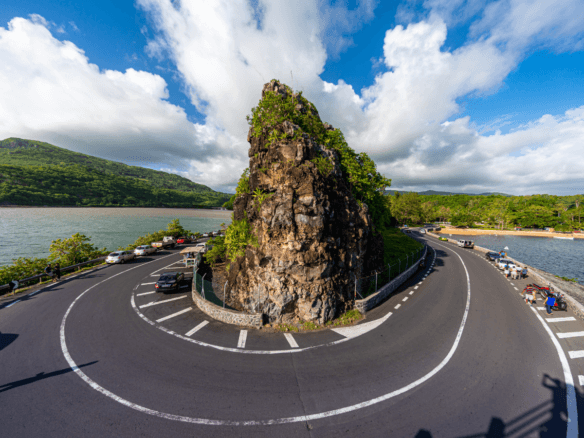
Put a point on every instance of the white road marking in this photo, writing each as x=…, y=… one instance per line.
x=303, y=418
x=146, y=284
x=405, y=299
x=291, y=340
x=197, y=328
x=515, y=287
x=572, y=431
x=154, y=303
x=145, y=293
x=13, y=303
x=569, y=318
x=242, y=339
x=576, y=354
x=416, y=287
x=570, y=335
x=174, y=314
x=420, y=282
x=398, y=306
x=412, y=292
x=359, y=329
x=581, y=380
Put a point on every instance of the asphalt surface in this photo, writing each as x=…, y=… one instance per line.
x=432, y=368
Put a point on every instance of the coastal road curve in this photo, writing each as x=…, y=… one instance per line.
x=460, y=355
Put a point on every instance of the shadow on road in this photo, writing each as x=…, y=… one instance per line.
x=548, y=419
x=6, y=339
x=39, y=376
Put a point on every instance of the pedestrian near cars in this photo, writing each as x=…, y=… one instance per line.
x=506, y=271
x=524, y=272
x=13, y=285
x=49, y=270
x=530, y=297
x=57, y=275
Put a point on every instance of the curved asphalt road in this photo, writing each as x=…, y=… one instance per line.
x=505, y=377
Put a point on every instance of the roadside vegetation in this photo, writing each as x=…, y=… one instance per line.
x=37, y=173
x=563, y=213
x=348, y=318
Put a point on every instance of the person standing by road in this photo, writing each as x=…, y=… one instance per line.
x=506, y=271
x=524, y=272
x=57, y=276
x=49, y=270
x=549, y=303
x=13, y=285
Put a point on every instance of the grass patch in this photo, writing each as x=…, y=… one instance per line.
x=397, y=245
x=309, y=325
x=348, y=318
x=575, y=280
x=287, y=328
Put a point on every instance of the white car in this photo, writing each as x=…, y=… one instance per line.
x=502, y=262
x=120, y=257
x=422, y=231
x=144, y=250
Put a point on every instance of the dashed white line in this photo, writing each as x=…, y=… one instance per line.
x=242, y=339
x=174, y=314
x=197, y=328
x=412, y=292
x=416, y=287
x=569, y=318
x=570, y=335
x=405, y=299
x=515, y=288
x=291, y=340
x=576, y=354
x=145, y=293
x=398, y=306
x=540, y=308
x=154, y=303
x=13, y=303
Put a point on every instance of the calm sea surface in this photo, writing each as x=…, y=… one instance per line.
x=28, y=232
x=557, y=256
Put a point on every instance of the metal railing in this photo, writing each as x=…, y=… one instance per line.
x=206, y=289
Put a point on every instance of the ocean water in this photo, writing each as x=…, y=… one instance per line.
x=28, y=232
x=557, y=256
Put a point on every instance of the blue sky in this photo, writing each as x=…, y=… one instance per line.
x=458, y=95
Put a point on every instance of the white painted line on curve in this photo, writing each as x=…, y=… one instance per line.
x=242, y=339
x=146, y=284
x=513, y=285
x=581, y=380
x=569, y=318
x=412, y=292
x=291, y=340
x=405, y=299
x=359, y=329
x=13, y=303
x=174, y=314
x=576, y=354
x=398, y=306
x=197, y=328
x=416, y=287
x=154, y=303
x=540, y=308
x=145, y=293
x=515, y=288
x=570, y=335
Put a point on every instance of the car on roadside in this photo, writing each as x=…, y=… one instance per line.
x=181, y=240
x=492, y=256
x=501, y=263
x=120, y=257
x=169, y=281
x=143, y=250
x=422, y=231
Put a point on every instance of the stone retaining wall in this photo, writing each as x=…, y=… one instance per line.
x=574, y=293
x=372, y=301
x=226, y=315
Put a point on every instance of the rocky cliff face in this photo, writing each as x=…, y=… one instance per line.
x=313, y=237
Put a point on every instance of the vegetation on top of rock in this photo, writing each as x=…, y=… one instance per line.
x=360, y=172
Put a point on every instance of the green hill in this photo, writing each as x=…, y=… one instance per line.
x=37, y=173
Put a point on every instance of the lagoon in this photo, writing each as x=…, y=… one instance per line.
x=556, y=256
x=28, y=231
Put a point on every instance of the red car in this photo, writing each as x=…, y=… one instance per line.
x=181, y=240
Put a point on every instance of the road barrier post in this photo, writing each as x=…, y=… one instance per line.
x=375, y=281
x=203, y=286
x=224, y=294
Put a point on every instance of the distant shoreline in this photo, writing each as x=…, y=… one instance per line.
x=109, y=206
x=477, y=232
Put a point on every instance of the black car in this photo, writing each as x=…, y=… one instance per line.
x=169, y=281
x=493, y=256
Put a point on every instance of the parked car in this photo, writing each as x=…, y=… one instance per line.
x=492, y=256
x=465, y=243
x=166, y=242
x=422, y=231
x=502, y=262
x=202, y=247
x=144, y=250
x=120, y=257
x=169, y=281
x=181, y=240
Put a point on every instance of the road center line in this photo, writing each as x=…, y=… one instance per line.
x=12, y=304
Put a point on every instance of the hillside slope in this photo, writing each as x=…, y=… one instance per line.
x=20, y=152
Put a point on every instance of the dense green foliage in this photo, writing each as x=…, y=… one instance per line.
x=358, y=170
x=217, y=252
x=38, y=173
x=81, y=186
x=396, y=245
x=174, y=229
x=563, y=213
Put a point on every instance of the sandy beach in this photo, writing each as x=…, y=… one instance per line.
x=474, y=232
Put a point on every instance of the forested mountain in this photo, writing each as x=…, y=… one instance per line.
x=534, y=211
x=37, y=173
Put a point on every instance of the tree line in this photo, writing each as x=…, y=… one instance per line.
x=563, y=213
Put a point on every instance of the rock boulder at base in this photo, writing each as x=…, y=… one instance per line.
x=313, y=237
